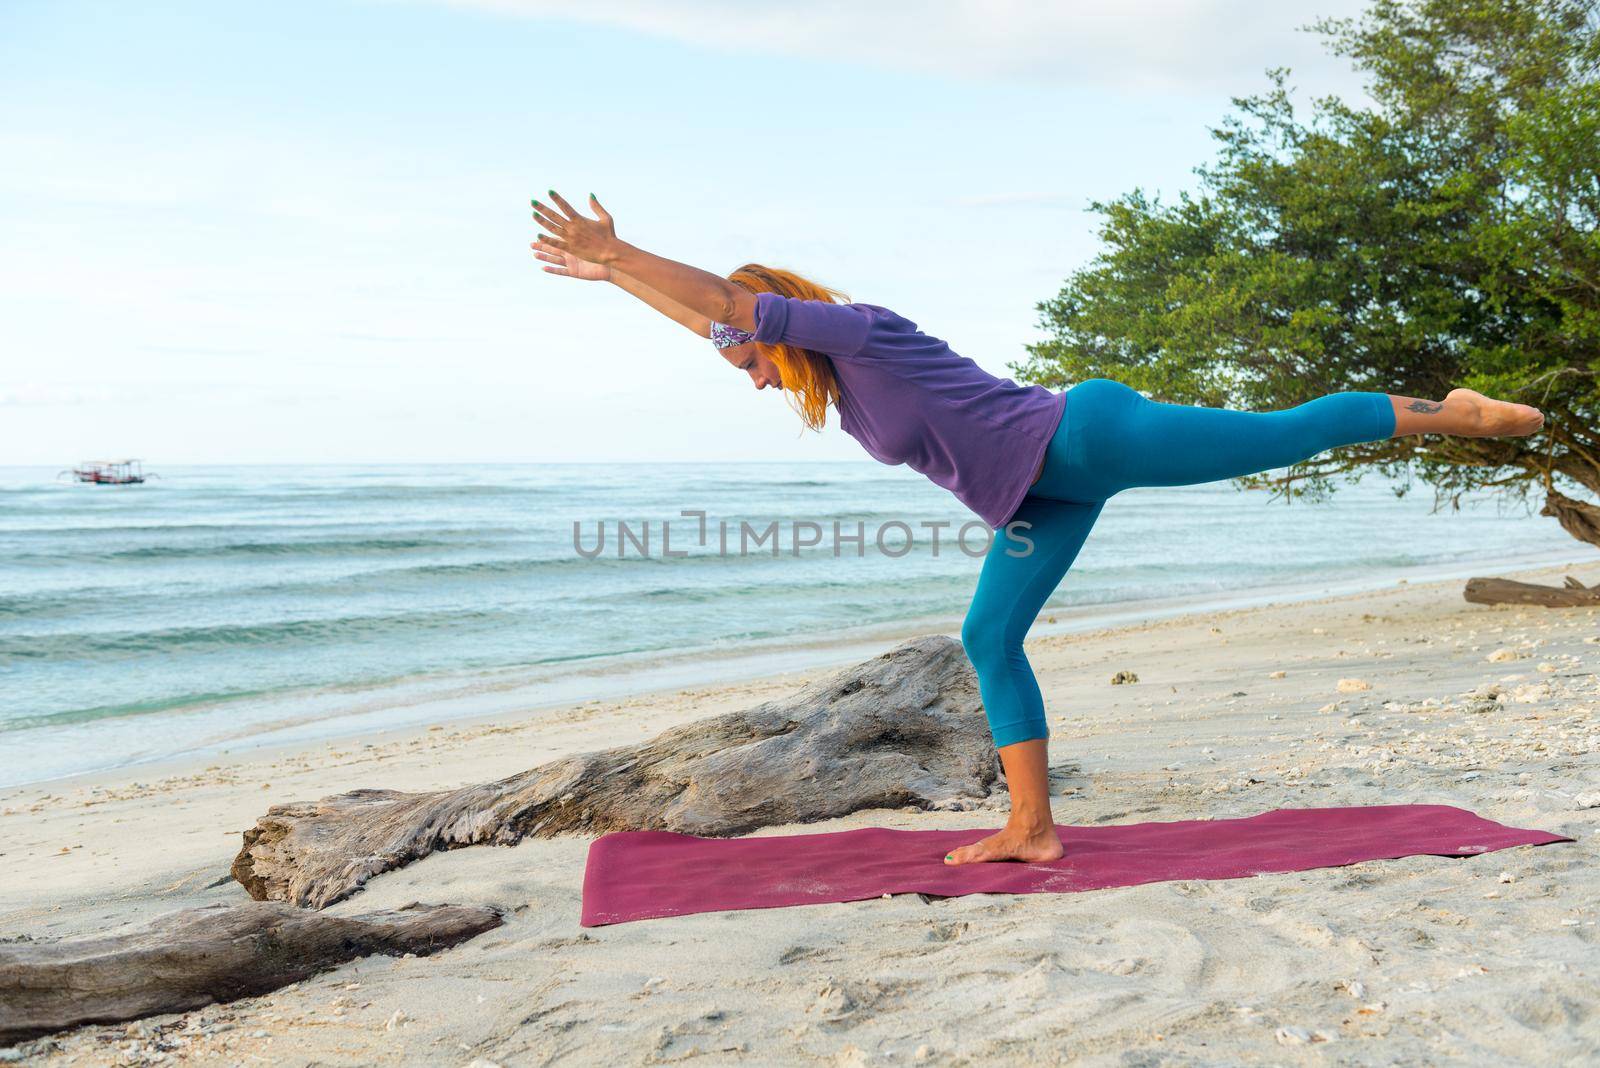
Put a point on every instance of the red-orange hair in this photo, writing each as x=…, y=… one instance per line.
x=807, y=376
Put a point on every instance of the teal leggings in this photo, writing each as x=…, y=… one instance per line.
x=1111, y=439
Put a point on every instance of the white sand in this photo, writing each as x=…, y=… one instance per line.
x=1489, y=959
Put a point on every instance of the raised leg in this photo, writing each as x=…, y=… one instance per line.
x=1019, y=573
x=1116, y=439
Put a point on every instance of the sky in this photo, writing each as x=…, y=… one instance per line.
x=298, y=232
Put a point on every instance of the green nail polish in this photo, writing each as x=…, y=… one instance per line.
x=552, y=193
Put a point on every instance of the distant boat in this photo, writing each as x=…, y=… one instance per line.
x=109, y=472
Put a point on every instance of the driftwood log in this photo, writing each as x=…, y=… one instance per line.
x=194, y=957
x=904, y=728
x=1508, y=591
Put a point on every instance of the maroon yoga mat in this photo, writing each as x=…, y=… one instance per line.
x=637, y=875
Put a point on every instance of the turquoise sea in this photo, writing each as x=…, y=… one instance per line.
x=218, y=607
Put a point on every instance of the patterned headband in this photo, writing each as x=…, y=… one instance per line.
x=724, y=336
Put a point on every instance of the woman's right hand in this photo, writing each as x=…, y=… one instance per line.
x=570, y=265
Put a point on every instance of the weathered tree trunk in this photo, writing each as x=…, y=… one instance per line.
x=1578, y=518
x=904, y=728
x=1508, y=591
x=194, y=957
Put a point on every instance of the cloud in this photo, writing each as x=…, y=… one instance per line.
x=410, y=339
x=203, y=350
x=1019, y=199
x=31, y=396
x=1143, y=45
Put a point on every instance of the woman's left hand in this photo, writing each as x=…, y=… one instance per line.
x=594, y=240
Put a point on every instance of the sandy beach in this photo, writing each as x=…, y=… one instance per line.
x=1404, y=695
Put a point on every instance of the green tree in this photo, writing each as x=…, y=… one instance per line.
x=1445, y=234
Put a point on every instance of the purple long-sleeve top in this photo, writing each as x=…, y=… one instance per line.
x=908, y=399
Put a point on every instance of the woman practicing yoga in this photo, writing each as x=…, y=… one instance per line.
x=1037, y=466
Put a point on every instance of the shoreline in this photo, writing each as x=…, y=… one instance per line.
x=408, y=705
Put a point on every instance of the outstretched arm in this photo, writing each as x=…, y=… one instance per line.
x=595, y=240
x=662, y=303
x=569, y=266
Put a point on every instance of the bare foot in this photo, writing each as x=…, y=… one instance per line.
x=1485, y=417
x=1012, y=842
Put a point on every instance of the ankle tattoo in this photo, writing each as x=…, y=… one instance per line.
x=1425, y=407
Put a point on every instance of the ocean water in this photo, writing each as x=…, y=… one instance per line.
x=214, y=607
